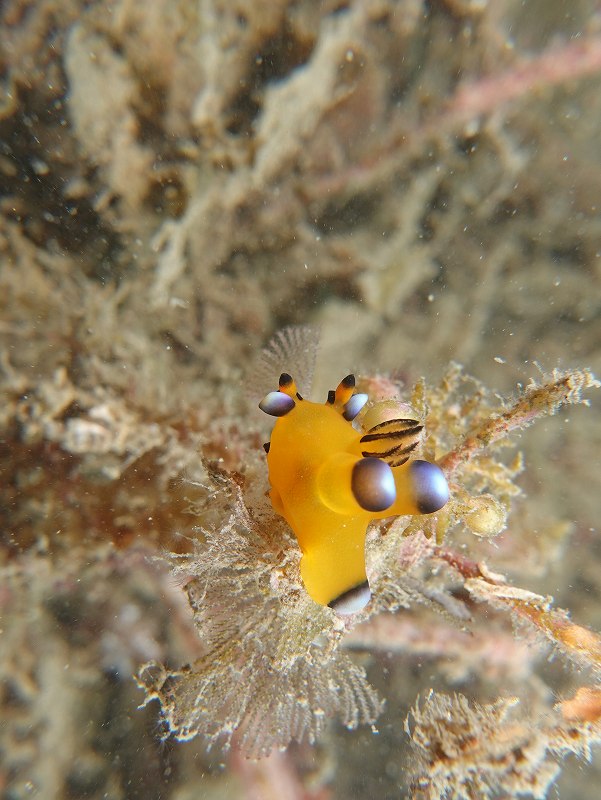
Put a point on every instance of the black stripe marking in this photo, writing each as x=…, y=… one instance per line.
x=407, y=423
x=399, y=450
x=399, y=463
x=394, y=434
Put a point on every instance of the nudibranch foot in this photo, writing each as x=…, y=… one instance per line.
x=352, y=601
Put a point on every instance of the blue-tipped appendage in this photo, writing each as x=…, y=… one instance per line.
x=430, y=487
x=277, y=404
x=372, y=484
x=354, y=406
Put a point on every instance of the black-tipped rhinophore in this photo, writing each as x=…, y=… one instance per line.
x=430, y=487
x=354, y=406
x=276, y=404
x=348, y=382
x=353, y=600
x=372, y=484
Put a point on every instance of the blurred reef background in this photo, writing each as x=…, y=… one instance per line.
x=178, y=181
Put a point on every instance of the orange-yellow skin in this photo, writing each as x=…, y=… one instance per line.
x=312, y=453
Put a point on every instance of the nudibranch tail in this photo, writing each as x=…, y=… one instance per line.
x=329, y=481
x=334, y=566
x=353, y=600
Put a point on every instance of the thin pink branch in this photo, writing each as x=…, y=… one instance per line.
x=580, y=643
x=537, y=400
x=471, y=100
x=494, y=653
x=272, y=778
x=556, y=65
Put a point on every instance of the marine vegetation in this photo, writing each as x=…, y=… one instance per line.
x=178, y=180
x=277, y=665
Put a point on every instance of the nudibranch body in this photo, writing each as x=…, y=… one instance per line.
x=329, y=481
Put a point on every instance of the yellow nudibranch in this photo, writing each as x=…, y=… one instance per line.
x=329, y=481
